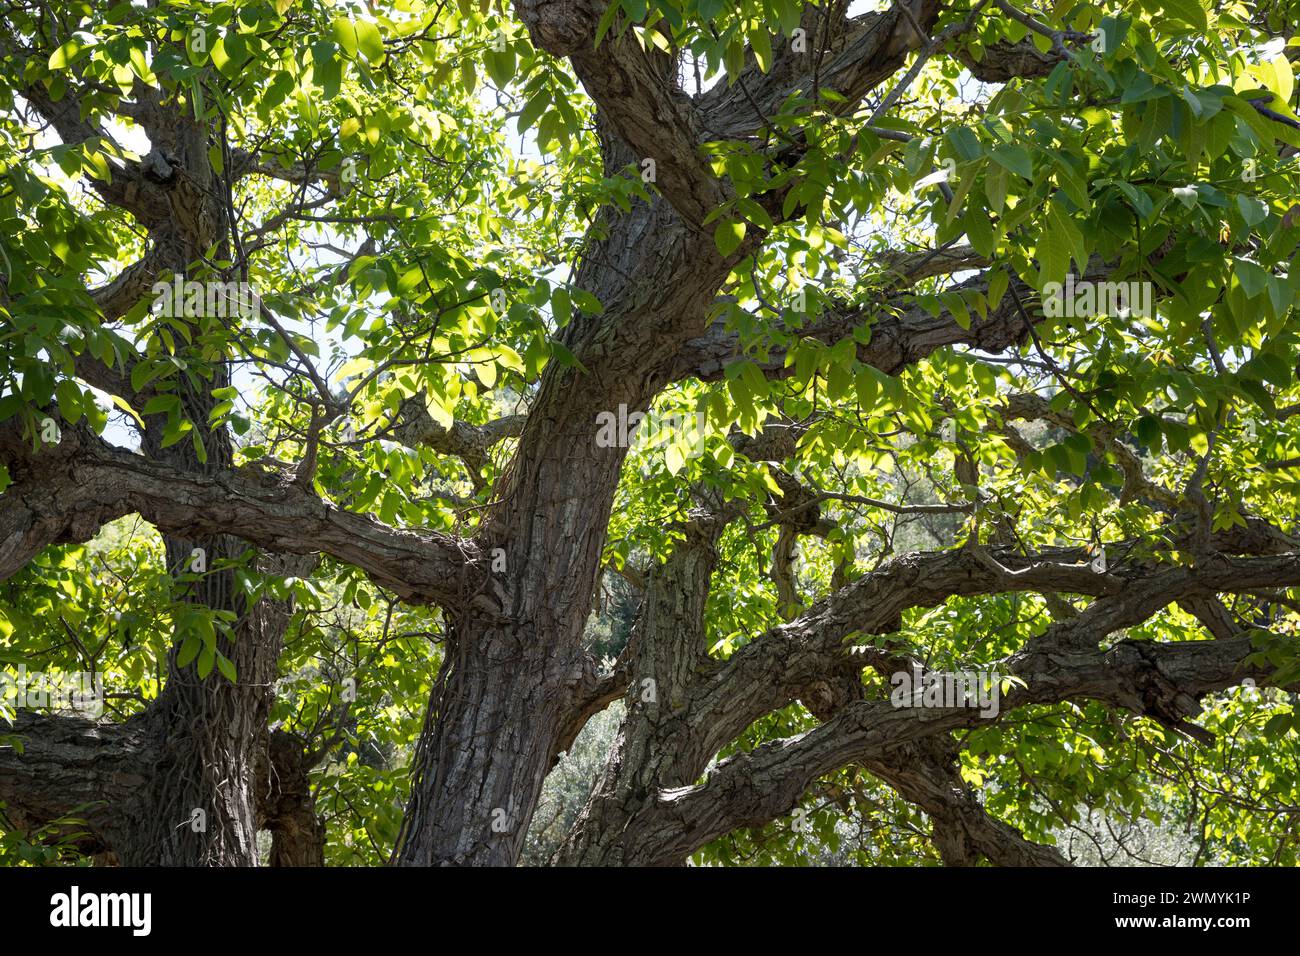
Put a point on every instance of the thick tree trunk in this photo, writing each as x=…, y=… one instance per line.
x=96, y=776
x=515, y=660
x=189, y=781
x=180, y=784
x=493, y=726
x=655, y=746
x=517, y=663
x=206, y=733
x=285, y=805
x=198, y=808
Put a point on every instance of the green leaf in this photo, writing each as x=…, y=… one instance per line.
x=965, y=143
x=760, y=44
x=534, y=108
x=1140, y=201
x=68, y=53
x=500, y=66
x=369, y=41
x=327, y=70
x=956, y=306
x=561, y=308
x=1277, y=726
x=1252, y=210
x=227, y=668
x=995, y=187
x=162, y=403
x=190, y=648
x=587, y=302
x=979, y=229
x=207, y=657
x=70, y=400
x=1053, y=253
x=345, y=34
x=998, y=282
x=1059, y=222
x=868, y=388
x=560, y=352
x=728, y=235
x=1252, y=277
x=1014, y=158
x=606, y=21
x=1188, y=11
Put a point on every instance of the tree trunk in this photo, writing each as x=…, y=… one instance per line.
x=285, y=805
x=515, y=659
x=654, y=747
x=517, y=662
x=481, y=765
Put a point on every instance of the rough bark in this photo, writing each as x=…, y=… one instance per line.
x=64, y=493
x=517, y=668
x=97, y=773
x=517, y=684
x=285, y=805
x=653, y=748
x=518, y=673
x=178, y=783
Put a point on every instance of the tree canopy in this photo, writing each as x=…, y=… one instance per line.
x=570, y=432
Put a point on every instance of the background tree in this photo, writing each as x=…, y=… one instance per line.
x=823, y=247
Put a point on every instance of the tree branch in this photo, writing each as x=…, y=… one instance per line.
x=1162, y=681
x=637, y=93
x=65, y=493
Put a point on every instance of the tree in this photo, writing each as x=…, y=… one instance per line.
x=927, y=374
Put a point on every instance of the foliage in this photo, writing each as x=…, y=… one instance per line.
x=416, y=187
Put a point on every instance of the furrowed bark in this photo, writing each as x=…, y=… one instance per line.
x=656, y=274
x=286, y=806
x=653, y=748
x=65, y=766
x=517, y=665
x=65, y=493
x=637, y=94
x=1162, y=681
x=964, y=833
x=95, y=775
